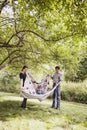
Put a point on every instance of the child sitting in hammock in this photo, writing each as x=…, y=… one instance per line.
x=43, y=87
x=39, y=90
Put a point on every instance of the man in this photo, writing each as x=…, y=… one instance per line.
x=57, y=78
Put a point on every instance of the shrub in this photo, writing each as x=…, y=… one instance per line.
x=76, y=92
x=9, y=82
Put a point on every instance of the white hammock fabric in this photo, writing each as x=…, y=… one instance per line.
x=29, y=89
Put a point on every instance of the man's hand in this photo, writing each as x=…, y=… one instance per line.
x=50, y=76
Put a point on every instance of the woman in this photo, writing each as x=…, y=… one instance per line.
x=22, y=78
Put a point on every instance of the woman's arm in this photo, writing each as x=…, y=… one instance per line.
x=31, y=78
x=21, y=83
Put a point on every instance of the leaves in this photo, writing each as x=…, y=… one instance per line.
x=44, y=31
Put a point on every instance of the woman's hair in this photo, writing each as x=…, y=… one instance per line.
x=24, y=67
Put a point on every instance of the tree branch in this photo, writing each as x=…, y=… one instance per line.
x=8, y=56
x=38, y=35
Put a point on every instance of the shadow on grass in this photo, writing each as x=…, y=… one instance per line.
x=11, y=109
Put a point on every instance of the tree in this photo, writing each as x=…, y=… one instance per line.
x=41, y=32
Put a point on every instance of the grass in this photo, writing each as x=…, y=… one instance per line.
x=39, y=116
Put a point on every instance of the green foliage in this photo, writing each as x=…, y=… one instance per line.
x=79, y=71
x=76, y=92
x=9, y=82
x=82, y=73
x=37, y=33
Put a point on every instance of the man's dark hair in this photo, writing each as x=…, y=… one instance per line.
x=57, y=67
x=24, y=67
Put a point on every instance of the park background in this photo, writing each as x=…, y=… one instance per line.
x=42, y=34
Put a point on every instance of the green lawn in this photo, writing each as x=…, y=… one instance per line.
x=40, y=116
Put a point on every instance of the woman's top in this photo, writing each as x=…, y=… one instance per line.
x=23, y=76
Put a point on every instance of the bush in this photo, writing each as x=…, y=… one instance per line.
x=9, y=82
x=76, y=92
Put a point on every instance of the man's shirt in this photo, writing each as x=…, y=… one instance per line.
x=57, y=77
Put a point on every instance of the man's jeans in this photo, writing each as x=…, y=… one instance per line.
x=56, y=97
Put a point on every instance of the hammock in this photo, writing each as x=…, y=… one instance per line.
x=29, y=89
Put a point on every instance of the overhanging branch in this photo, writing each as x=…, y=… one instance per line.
x=40, y=36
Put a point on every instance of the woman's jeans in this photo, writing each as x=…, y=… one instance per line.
x=24, y=103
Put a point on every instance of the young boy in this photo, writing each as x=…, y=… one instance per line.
x=57, y=78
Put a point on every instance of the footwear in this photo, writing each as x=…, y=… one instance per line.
x=25, y=108
x=58, y=108
x=52, y=106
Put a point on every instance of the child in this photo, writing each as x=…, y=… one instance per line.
x=43, y=87
x=40, y=90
